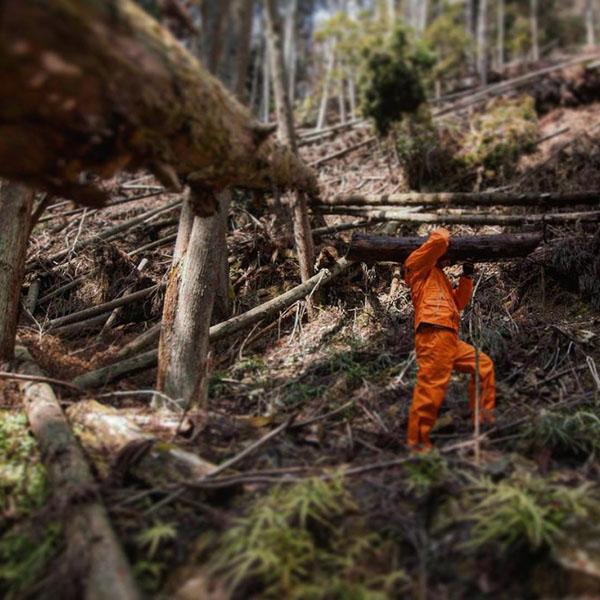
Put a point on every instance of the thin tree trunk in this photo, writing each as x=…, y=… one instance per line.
x=589, y=23
x=287, y=135
x=380, y=248
x=535, y=44
x=16, y=204
x=290, y=50
x=242, y=58
x=182, y=371
x=325, y=93
x=266, y=85
x=352, y=95
x=500, y=39
x=214, y=17
x=342, y=101
x=183, y=124
x=482, y=42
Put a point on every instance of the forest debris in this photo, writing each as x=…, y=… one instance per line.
x=90, y=538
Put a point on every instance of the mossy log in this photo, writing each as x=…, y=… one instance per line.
x=452, y=199
x=99, y=87
x=91, y=542
x=108, y=434
x=381, y=248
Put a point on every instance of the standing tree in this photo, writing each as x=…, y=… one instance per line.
x=482, y=41
x=589, y=22
x=16, y=202
x=287, y=134
x=535, y=43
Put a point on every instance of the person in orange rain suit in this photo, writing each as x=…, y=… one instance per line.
x=439, y=351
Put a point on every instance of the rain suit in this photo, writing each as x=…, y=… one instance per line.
x=439, y=351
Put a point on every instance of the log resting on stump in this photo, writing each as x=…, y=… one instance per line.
x=450, y=199
x=99, y=87
x=91, y=541
x=107, y=433
x=379, y=248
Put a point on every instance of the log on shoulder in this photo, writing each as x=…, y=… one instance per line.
x=90, y=537
x=379, y=248
x=98, y=87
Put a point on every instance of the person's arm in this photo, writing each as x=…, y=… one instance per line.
x=464, y=290
x=424, y=258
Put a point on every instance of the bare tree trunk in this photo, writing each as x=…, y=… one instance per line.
x=500, y=39
x=352, y=95
x=242, y=60
x=266, y=85
x=589, y=23
x=214, y=20
x=423, y=15
x=326, y=84
x=287, y=134
x=290, y=48
x=187, y=313
x=535, y=44
x=342, y=101
x=16, y=204
x=482, y=42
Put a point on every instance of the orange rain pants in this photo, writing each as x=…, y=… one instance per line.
x=439, y=352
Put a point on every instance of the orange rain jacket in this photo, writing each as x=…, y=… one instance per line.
x=434, y=298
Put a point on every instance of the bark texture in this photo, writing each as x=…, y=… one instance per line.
x=99, y=87
x=16, y=203
x=287, y=134
x=187, y=313
x=374, y=248
x=91, y=542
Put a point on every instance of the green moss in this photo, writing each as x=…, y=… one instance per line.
x=25, y=546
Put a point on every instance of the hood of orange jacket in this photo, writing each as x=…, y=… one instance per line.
x=434, y=298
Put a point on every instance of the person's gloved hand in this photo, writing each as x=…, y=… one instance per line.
x=468, y=269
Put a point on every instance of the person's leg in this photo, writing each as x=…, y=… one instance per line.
x=464, y=361
x=435, y=356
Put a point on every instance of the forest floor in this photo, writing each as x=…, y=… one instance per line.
x=334, y=506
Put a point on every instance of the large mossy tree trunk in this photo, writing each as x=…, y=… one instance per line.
x=287, y=134
x=98, y=87
x=16, y=203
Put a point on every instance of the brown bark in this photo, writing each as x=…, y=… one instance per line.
x=187, y=313
x=100, y=87
x=452, y=199
x=91, y=542
x=242, y=58
x=287, y=135
x=375, y=248
x=16, y=203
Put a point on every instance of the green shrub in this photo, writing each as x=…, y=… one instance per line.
x=392, y=79
x=500, y=136
x=298, y=542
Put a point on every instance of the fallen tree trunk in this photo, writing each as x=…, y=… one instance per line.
x=380, y=248
x=16, y=203
x=91, y=541
x=125, y=94
x=406, y=216
x=451, y=199
x=267, y=310
x=107, y=433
